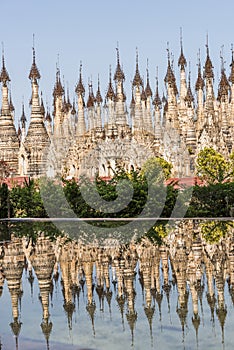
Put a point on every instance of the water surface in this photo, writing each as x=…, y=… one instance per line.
x=62, y=294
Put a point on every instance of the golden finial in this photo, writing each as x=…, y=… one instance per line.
x=182, y=60
x=207, y=45
x=117, y=50
x=189, y=75
x=157, y=76
x=119, y=75
x=168, y=53
x=4, y=76
x=199, y=58
x=3, y=60
x=199, y=83
x=181, y=39
x=57, y=64
x=231, y=78
x=80, y=88
x=33, y=48
x=172, y=61
x=34, y=72
x=221, y=57
x=80, y=68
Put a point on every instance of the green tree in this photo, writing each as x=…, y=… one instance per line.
x=213, y=167
x=4, y=201
x=156, y=169
x=26, y=201
x=213, y=231
x=213, y=200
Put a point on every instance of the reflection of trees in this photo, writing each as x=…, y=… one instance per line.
x=213, y=231
x=186, y=261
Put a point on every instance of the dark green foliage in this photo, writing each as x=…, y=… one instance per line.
x=215, y=200
x=4, y=201
x=68, y=199
x=4, y=231
x=213, y=231
x=26, y=201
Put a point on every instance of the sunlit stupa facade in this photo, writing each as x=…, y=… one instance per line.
x=97, y=133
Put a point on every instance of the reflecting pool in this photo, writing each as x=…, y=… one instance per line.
x=63, y=294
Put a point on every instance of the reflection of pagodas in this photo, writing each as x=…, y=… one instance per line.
x=129, y=277
x=221, y=309
x=13, y=264
x=145, y=262
x=43, y=261
x=66, y=274
x=87, y=262
x=231, y=267
x=2, y=279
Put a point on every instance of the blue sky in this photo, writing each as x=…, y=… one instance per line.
x=88, y=31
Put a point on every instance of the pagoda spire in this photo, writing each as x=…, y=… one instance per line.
x=90, y=107
x=148, y=90
x=11, y=106
x=34, y=72
x=98, y=100
x=110, y=92
x=170, y=81
x=110, y=97
x=4, y=76
x=224, y=86
x=209, y=76
x=80, y=90
x=4, y=79
x=37, y=138
x=120, y=99
x=182, y=63
x=23, y=121
x=223, y=96
x=157, y=101
x=58, y=94
x=208, y=73
x=34, y=76
x=119, y=74
x=231, y=77
x=46, y=327
x=189, y=99
x=199, y=86
x=91, y=98
x=9, y=141
x=58, y=88
x=137, y=80
x=170, y=77
x=138, y=86
x=157, y=113
x=148, y=95
x=199, y=82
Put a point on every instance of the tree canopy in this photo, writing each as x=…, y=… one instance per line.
x=213, y=167
x=156, y=169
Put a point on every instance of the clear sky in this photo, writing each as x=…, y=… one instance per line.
x=89, y=30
